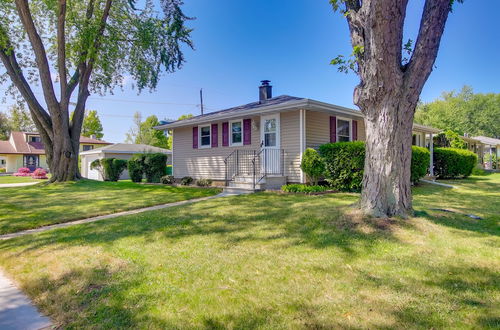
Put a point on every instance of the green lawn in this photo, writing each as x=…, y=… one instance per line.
x=17, y=179
x=273, y=261
x=34, y=206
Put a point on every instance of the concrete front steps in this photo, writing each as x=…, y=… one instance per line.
x=244, y=184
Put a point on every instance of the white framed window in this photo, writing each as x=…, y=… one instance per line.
x=205, y=136
x=344, y=130
x=236, y=134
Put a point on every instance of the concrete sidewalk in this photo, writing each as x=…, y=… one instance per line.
x=109, y=216
x=22, y=184
x=16, y=311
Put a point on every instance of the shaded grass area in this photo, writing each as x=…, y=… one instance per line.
x=41, y=205
x=272, y=261
x=4, y=179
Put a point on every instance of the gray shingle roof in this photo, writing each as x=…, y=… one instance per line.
x=250, y=106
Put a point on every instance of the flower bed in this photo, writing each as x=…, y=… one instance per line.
x=23, y=171
x=39, y=173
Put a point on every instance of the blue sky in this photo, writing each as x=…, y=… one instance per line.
x=239, y=43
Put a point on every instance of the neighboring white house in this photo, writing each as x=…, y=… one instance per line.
x=118, y=151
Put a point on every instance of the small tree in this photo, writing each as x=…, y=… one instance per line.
x=449, y=139
x=92, y=125
x=313, y=165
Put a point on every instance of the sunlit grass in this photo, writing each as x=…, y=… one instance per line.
x=273, y=261
x=4, y=179
x=34, y=206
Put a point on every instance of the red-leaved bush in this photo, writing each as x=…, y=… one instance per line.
x=23, y=171
x=39, y=173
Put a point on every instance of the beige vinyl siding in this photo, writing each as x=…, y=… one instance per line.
x=205, y=162
x=290, y=143
x=318, y=129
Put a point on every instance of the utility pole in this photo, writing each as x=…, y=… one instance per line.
x=201, y=100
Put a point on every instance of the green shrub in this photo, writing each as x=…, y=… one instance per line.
x=494, y=160
x=169, y=170
x=302, y=188
x=478, y=171
x=3, y=170
x=135, y=169
x=420, y=159
x=344, y=164
x=453, y=163
x=110, y=168
x=154, y=166
x=204, y=182
x=167, y=179
x=313, y=165
x=186, y=181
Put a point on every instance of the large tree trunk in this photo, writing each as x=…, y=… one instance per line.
x=388, y=93
x=386, y=182
x=64, y=161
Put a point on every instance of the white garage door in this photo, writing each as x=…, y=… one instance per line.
x=92, y=173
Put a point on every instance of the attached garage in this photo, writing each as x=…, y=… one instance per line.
x=118, y=151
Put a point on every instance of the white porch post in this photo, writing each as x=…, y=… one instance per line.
x=302, y=136
x=431, y=149
x=491, y=157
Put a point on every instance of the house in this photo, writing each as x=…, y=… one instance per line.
x=260, y=144
x=25, y=149
x=491, y=149
x=119, y=151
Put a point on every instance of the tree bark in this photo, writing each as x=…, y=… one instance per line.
x=388, y=94
x=386, y=181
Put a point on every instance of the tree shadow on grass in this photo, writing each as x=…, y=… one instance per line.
x=317, y=221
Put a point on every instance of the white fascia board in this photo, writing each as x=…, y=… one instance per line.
x=287, y=106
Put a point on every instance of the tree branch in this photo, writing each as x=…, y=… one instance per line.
x=424, y=55
x=61, y=51
x=9, y=60
x=85, y=73
x=40, y=54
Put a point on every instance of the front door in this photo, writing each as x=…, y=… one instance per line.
x=31, y=162
x=270, y=142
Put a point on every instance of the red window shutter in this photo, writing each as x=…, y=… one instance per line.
x=354, y=130
x=333, y=129
x=247, y=131
x=215, y=136
x=195, y=137
x=225, y=134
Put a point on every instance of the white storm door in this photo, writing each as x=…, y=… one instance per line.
x=270, y=141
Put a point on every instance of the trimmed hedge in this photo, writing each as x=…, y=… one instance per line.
x=345, y=162
x=150, y=165
x=135, y=169
x=313, y=165
x=154, y=166
x=420, y=159
x=110, y=168
x=452, y=163
x=302, y=188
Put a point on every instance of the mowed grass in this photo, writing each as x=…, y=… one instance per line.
x=4, y=179
x=40, y=205
x=273, y=261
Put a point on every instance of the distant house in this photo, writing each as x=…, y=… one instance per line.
x=25, y=149
x=491, y=148
x=260, y=144
x=118, y=151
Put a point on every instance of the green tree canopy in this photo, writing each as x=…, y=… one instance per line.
x=92, y=125
x=463, y=112
x=143, y=132
x=20, y=119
